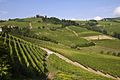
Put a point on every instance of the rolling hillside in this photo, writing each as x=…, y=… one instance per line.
x=25, y=59
x=89, y=43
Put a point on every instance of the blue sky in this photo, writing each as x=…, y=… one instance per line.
x=69, y=9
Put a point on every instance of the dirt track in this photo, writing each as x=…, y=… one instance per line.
x=76, y=34
x=49, y=52
x=98, y=37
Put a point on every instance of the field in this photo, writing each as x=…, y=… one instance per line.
x=25, y=57
x=90, y=59
x=90, y=48
x=90, y=56
x=65, y=71
x=110, y=26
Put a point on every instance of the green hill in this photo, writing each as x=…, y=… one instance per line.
x=25, y=59
x=91, y=43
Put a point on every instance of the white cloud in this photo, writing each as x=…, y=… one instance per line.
x=117, y=11
x=74, y=19
x=97, y=18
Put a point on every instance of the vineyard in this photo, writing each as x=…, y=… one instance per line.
x=26, y=58
x=87, y=43
x=67, y=71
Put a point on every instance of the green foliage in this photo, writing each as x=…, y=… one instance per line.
x=82, y=45
x=51, y=32
x=92, y=23
x=25, y=61
x=67, y=71
x=4, y=63
x=88, y=57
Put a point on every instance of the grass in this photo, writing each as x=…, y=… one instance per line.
x=83, y=32
x=66, y=71
x=110, y=26
x=14, y=23
x=62, y=36
x=36, y=22
x=94, y=60
x=114, y=44
x=89, y=56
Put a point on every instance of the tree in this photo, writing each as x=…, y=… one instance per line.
x=104, y=31
x=117, y=35
x=37, y=16
x=92, y=23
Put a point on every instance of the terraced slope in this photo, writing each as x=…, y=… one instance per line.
x=26, y=58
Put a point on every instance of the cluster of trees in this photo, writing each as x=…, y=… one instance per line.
x=111, y=53
x=55, y=20
x=17, y=19
x=76, y=46
x=117, y=35
x=92, y=23
x=112, y=19
x=98, y=29
x=68, y=23
x=2, y=20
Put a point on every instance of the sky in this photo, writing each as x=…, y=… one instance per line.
x=64, y=9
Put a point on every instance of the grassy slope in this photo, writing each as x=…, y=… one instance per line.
x=113, y=44
x=110, y=26
x=94, y=60
x=60, y=70
x=83, y=32
x=85, y=55
x=14, y=23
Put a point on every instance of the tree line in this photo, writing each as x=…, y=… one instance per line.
x=55, y=20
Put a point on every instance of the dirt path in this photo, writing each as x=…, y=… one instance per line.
x=50, y=76
x=49, y=52
x=98, y=37
x=76, y=34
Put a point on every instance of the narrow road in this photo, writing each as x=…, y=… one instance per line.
x=49, y=52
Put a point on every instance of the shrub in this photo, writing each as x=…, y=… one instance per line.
x=102, y=52
x=115, y=54
x=118, y=54
x=73, y=46
x=109, y=52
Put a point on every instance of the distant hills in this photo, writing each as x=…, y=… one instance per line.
x=117, y=19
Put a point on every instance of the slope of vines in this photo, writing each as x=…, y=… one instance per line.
x=26, y=58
